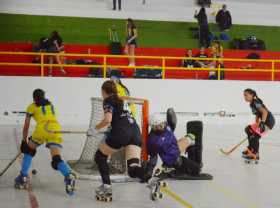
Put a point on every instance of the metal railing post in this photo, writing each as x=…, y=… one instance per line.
x=273, y=71
x=163, y=68
x=219, y=71
x=104, y=66
x=42, y=64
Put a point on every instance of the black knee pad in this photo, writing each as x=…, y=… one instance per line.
x=254, y=141
x=249, y=131
x=100, y=158
x=24, y=148
x=195, y=151
x=134, y=169
x=55, y=161
x=187, y=166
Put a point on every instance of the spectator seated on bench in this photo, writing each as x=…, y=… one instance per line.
x=189, y=63
x=202, y=54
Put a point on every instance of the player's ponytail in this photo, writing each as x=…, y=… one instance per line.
x=126, y=90
x=110, y=88
x=39, y=98
x=254, y=94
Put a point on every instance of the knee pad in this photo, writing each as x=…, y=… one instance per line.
x=55, y=161
x=134, y=169
x=100, y=158
x=189, y=167
x=24, y=148
x=251, y=133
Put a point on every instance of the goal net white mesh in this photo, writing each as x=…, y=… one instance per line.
x=85, y=165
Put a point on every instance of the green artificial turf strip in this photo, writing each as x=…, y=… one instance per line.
x=23, y=28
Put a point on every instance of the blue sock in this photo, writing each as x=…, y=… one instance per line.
x=64, y=168
x=26, y=164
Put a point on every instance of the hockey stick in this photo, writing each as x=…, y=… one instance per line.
x=18, y=113
x=233, y=148
x=10, y=163
x=46, y=127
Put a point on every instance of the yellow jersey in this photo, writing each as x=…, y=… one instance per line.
x=122, y=92
x=42, y=114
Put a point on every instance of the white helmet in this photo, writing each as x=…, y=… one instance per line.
x=156, y=119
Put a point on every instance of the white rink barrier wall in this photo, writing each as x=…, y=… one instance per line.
x=214, y=102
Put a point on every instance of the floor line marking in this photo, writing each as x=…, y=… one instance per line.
x=32, y=198
x=232, y=195
x=176, y=197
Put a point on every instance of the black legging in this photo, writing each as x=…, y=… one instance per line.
x=204, y=36
x=115, y=4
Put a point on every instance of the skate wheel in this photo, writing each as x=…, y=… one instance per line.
x=155, y=196
x=163, y=184
x=108, y=199
x=21, y=187
x=71, y=193
x=97, y=198
x=17, y=186
x=160, y=196
x=157, y=171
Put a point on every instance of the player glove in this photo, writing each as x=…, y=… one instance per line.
x=262, y=127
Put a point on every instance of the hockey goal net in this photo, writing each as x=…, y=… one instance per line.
x=85, y=165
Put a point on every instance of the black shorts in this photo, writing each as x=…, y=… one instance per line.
x=124, y=135
x=270, y=121
x=133, y=42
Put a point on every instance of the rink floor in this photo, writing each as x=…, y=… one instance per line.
x=235, y=184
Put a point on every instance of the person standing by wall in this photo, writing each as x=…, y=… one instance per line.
x=131, y=34
x=203, y=27
x=115, y=4
x=223, y=19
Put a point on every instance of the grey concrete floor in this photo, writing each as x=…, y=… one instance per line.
x=235, y=184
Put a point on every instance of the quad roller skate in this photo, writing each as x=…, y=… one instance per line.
x=104, y=193
x=21, y=182
x=155, y=184
x=250, y=157
x=70, y=182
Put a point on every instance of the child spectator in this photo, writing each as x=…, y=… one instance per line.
x=217, y=49
x=189, y=63
x=202, y=54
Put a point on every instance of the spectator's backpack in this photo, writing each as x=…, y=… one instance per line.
x=148, y=73
x=253, y=56
x=115, y=45
x=250, y=43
